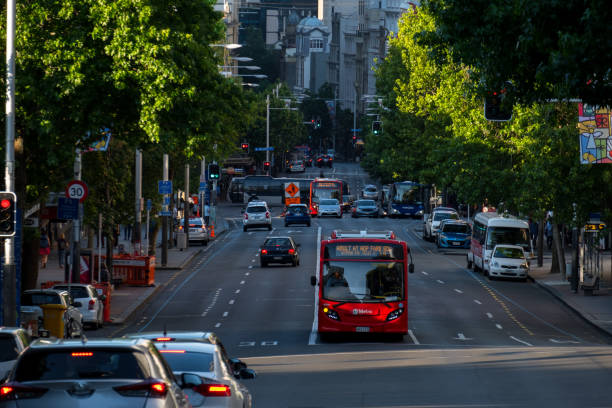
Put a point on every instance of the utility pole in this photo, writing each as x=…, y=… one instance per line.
x=138, y=220
x=9, y=274
x=186, y=207
x=164, y=259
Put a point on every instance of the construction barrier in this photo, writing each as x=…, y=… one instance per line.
x=49, y=284
x=104, y=289
x=132, y=270
x=53, y=318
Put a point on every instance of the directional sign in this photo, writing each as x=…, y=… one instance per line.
x=594, y=226
x=67, y=208
x=264, y=149
x=164, y=186
x=77, y=189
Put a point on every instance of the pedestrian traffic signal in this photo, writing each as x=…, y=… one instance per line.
x=377, y=127
x=213, y=171
x=495, y=109
x=245, y=147
x=266, y=165
x=8, y=211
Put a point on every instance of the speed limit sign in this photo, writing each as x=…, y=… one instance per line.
x=77, y=189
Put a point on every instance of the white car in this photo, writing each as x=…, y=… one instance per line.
x=92, y=304
x=297, y=167
x=197, y=230
x=329, y=206
x=257, y=214
x=507, y=261
x=432, y=222
x=13, y=340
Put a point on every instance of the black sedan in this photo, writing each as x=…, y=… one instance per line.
x=365, y=208
x=279, y=250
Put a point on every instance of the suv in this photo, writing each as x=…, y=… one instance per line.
x=197, y=230
x=103, y=372
x=432, y=222
x=370, y=192
x=257, y=214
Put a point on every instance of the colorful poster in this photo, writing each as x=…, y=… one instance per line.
x=595, y=135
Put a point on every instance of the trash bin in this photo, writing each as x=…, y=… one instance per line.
x=53, y=319
x=181, y=240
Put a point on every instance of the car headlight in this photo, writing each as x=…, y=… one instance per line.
x=394, y=211
x=420, y=212
x=495, y=264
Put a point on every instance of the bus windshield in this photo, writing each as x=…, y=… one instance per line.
x=366, y=282
x=327, y=190
x=406, y=194
x=509, y=236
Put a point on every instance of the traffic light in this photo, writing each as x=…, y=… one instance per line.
x=318, y=124
x=213, y=171
x=245, y=147
x=377, y=127
x=8, y=211
x=494, y=108
x=266, y=165
x=313, y=123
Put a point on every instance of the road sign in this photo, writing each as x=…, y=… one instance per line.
x=67, y=208
x=264, y=149
x=207, y=195
x=291, y=189
x=355, y=130
x=77, y=189
x=165, y=213
x=166, y=201
x=202, y=187
x=149, y=204
x=594, y=226
x=164, y=186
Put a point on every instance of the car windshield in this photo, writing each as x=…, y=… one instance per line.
x=366, y=203
x=439, y=216
x=77, y=292
x=80, y=363
x=505, y=252
x=8, y=347
x=37, y=299
x=457, y=228
x=508, y=236
x=370, y=189
x=363, y=281
x=256, y=209
x=328, y=202
x=181, y=360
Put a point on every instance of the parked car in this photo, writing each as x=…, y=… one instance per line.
x=32, y=299
x=370, y=192
x=454, y=234
x=13, y=340
x=279, y=250
x=432, y=222
x=198, y=231
x=297, y=166
x=92, y=304
x=365, y=208
x=257, y=214
x=507, y=261
x=96, y=373
x=329, y=206
x=297, y=214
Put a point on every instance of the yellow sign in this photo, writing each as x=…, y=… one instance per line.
x=291, y=190
x=594, y=227
x=292, y=200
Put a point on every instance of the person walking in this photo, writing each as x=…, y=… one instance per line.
x=206, y=213
x=62, y=244
x=548, y=233
x=44, y=248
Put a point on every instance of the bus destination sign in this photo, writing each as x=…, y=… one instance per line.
x=363, y=250
x=326, y=184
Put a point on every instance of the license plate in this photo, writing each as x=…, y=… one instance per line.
x=361, y=329
x=456, y=243
x=278, y=258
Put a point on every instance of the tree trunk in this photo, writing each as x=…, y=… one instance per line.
x=554, y=266
x=540, y=244
x=30, y=259
x=153, y=239
x=558, y=248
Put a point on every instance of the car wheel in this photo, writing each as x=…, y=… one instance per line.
x=244, y=228
x=263, y=264
x=294, y=262
x=286, y=225
x=308, y=225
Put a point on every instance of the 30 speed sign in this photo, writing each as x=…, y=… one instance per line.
x=77, y=189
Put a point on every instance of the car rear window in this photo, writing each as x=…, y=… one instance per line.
x=37, y=299
x=77, y=292
x=297, y=210
x=181, y=360
x=277, y=242
x=439, y=216
x=80, y=363
x=8, y=347
x=256, y=209
x=366, y=203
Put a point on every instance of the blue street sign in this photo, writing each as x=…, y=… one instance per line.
x=202, y=186
x=355, y=130
x=165, y=214
x=164, y=187
x=206, y=195
x=67, y=208
x=149, y=204
x=264, y=149
x=166, y=201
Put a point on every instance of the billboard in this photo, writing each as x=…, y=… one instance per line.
x=595, y=135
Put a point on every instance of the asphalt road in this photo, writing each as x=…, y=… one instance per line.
x=472, y=342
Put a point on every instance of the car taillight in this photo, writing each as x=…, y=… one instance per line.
x=149, y=388
x=92, y=303
x=164, y=339
x=214, y=390
x=291, y=251
x=267, y=214
x=264, y=251
x=15, y=391
x=246, y=216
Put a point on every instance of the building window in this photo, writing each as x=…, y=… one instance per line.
x=316, y=43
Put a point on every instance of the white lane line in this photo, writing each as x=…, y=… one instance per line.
x=242, y=282
x=253, y=260
x=458, y=291
x=499, y=326
x=312, y=339
x=478, y=302
x=237, y=291
x=250, y=266
x=521, y=341
x=218, y=325
x=413, y=337
x=231, y=302
x=424, y=273
x=441, y=282
x=489, y=315
x=247, y=273
x=212, y=303
x=225, y=314
x=564, y=341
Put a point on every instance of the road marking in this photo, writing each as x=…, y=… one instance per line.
x=424, y=273
x=499, y=326
x=212, y=303
x=242, y=282
x=237, y=291
x=489, y=315
x=521, y=341
x=231, y=302
x=478, y=302
x=413, y=337
x=246, y=344
x=250, y=266
x=458, y=291
x=461, y=336
x=225, y=314
x=253, y=260
x=312, y=339
x=247, y=273
x=564, y=341
x=269, y=343
x=218, y=325
x=441, y=282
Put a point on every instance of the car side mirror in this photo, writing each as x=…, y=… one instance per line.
x=313, y=280
x=189, y=380
x=246, y=374
x=237, y=364
x=411, y=268
x=77, y=304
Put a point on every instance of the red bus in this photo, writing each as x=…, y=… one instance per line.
x=324, y=188
x=362, y=282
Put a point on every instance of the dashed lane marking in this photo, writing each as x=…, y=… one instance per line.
x=521, y=341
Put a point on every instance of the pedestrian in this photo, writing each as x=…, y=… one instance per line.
x=44, y=248
x=206, y=213
x=62, y=244
x=533, y=231
x=548, y=233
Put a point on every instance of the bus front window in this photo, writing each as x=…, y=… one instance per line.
x=509, y=236
x=363, y=281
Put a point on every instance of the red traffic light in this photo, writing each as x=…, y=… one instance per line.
x=5, y=203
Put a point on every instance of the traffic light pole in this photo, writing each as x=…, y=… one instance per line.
x=268, y=131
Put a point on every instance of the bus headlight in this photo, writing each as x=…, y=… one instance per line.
x=394, y=211
x=332, y=314
x=395, y=314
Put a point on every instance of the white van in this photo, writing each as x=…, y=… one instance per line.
x=490, y=229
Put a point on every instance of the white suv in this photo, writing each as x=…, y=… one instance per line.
x=432, y=222
x=257, y=214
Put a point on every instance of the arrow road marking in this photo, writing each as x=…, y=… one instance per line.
x=461, y=336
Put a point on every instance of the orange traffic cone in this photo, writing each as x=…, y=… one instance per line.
x=212, y=231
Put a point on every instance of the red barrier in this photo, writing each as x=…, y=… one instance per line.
x=133, y=270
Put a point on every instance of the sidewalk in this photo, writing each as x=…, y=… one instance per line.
x=596, y=308
x=126, y=299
